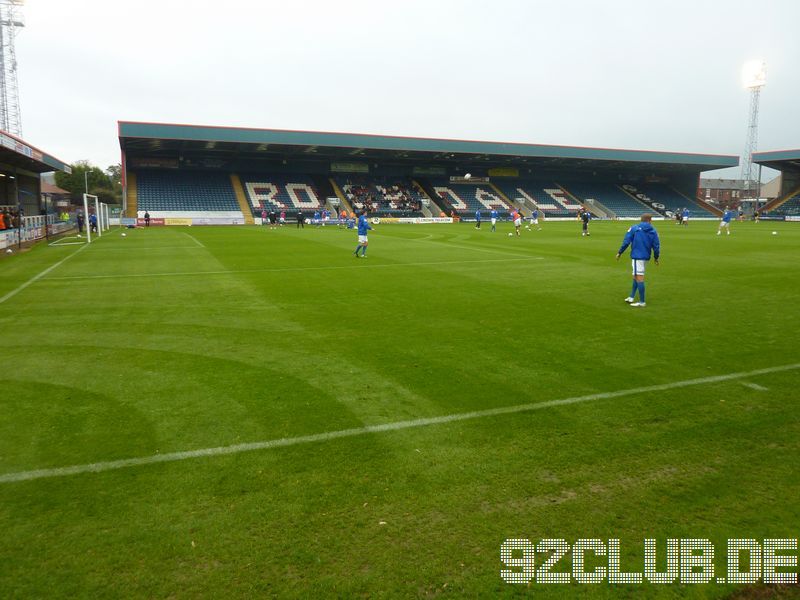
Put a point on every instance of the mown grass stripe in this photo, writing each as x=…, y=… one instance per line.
x=357, y=431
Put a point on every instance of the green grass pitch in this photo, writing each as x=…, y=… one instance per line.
x=177, y=339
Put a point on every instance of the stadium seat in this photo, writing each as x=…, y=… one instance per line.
x=173, y=190
x=546, y=195
x=280, y=192
x=466, y=198
x=607, y=194
x=666, y=200
x=396, y=196
x=790, y=208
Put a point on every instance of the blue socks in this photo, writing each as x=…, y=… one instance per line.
x=635, y=287
x=357, y=249
x=641, y=291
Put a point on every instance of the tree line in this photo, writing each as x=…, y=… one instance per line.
x=106, y=185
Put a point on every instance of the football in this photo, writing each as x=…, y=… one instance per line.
x=124, y=234
x=468, y=176
x=510, y=234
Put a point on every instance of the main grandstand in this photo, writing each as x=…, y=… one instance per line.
x=226, y=175
x=787, y=205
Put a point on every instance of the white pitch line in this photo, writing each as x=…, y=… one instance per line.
x=361, y=265
x=754, y=386
x=113, y=465
x=132, y=247
x=35, y=278
x=196, y=241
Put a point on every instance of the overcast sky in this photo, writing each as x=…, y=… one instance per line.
x=642, y=74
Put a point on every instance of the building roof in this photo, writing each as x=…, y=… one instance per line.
x=49, y=188
x=723, y=184
x=154, y=139
x=19, y=153
x=781, y=160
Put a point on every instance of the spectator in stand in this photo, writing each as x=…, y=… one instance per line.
x=2, y=221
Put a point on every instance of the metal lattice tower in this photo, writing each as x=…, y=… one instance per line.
x=10, y=21
x=754, y=76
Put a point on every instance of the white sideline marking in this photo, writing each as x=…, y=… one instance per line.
x=196, y=241
x=754, y=386
x=33, y=279
x=282, y=269
x=113, y=465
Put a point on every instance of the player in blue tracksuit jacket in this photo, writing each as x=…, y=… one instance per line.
x=363, y=227
x=643, y=239
x=725, y=222
x=493, y=216
x=477, y=219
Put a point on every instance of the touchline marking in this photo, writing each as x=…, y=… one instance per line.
x=35, y=278
x=754, y=386
x=289, y=269
x=113, y=465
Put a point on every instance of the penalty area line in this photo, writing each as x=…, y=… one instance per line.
x=114, y=465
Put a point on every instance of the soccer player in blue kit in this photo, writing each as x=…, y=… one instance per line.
x=725, y=222
x=477, y=219
x=363, y=227
x=494, y=219
x=643, y=239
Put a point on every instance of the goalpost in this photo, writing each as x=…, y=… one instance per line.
x=100, y=211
